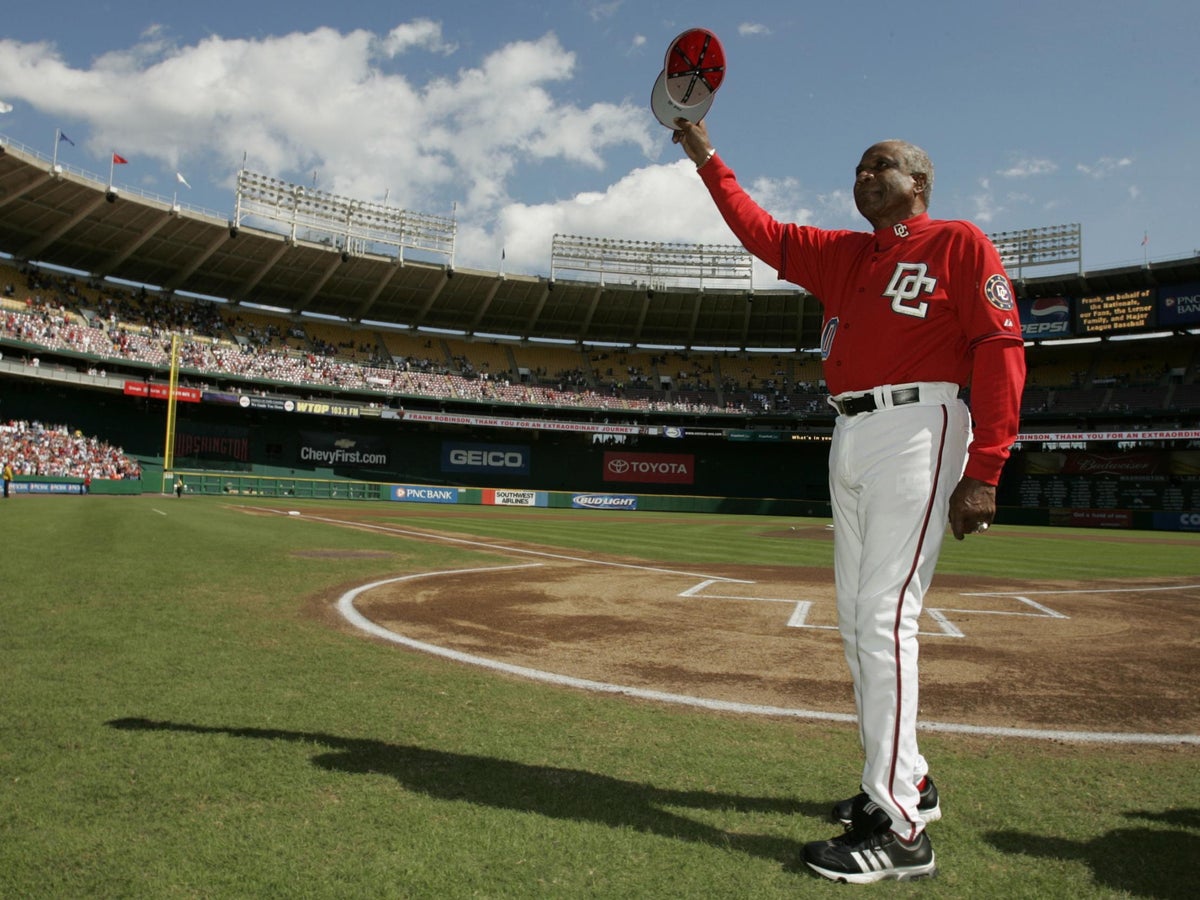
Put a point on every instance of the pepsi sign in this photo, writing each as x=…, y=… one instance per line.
x=1045, y=317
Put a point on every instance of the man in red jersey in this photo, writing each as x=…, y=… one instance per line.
x=914, y=311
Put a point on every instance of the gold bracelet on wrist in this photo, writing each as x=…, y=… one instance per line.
x=707, y=156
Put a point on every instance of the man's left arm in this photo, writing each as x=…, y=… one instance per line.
x=997, y=380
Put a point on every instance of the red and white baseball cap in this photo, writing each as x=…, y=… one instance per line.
x=693, y=69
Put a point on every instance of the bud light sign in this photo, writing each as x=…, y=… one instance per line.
x=604, y=501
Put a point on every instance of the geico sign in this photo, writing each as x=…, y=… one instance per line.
x=1190, y=520
x=488, y=459
x=661, y=468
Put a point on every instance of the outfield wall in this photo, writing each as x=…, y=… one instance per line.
x=671, y=469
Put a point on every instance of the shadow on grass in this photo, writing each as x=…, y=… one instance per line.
x=570, y=794
x=1142, y=861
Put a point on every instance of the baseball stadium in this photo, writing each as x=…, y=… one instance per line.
x=335, y=569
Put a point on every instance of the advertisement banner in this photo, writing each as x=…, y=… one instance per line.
x=160, y=391
x=1091, y=518
x=1177, y=521
x=1045, y=317
x=199, y=441
x=1179, y=304
x=1079, y=462
x=539, y=424
x=325, y=449
x=273, y=403
x=45, y=487
x=499, y=497
x=604, y=501
x=496, y=459
x=650, y=468
x=409, y=493
x=321, y=408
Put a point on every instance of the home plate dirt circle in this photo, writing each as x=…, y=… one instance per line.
x=1060, y=658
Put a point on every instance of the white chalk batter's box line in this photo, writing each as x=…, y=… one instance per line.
x=939, y=615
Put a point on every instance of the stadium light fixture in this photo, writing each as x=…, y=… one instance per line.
x=1049, y=245
x=651, y=265
x=358, y=226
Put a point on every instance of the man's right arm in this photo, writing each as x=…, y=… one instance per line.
x=758, y=231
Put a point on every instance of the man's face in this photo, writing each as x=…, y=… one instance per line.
x=883, y=191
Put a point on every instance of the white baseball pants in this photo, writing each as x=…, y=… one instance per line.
x=891, y=473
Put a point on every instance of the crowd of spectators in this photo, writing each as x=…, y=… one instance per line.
x=56, y=451
x=54, y=326
x=136, y=325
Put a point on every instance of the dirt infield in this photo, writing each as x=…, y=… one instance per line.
x=1111, y=656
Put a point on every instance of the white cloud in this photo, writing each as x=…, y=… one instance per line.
x=1104, y=167
x=423, y=34
x=352, y=113
x=601, y=11
x=660, y=203
x=1029, y=167
x=984, y=203
x=753, y=29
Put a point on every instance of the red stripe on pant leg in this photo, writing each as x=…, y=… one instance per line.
x=937, y=472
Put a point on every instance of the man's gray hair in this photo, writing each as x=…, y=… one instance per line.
x=916, y=162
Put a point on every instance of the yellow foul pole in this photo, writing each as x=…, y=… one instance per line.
x=169, y=449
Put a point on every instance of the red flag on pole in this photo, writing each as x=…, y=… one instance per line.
x=119, y=160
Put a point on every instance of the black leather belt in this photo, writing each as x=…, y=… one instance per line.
x=852, y=406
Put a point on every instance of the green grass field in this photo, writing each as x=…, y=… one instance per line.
x=181, y=716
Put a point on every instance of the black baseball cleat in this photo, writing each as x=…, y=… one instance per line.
x=869, y=851
x=928, y=806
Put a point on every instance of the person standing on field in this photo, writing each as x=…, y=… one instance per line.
x=914, y=310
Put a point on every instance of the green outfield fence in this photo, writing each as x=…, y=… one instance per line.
x=201, y=482
x=243, y=484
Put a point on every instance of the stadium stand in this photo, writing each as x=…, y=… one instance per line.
x=97, y=322
x=59, y=451
x=483, y=359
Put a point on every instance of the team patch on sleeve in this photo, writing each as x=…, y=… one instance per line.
x=998, y=292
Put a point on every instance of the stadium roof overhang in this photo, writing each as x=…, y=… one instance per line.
x=65, y=219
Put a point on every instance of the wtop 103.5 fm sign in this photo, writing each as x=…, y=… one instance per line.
x=495, y=459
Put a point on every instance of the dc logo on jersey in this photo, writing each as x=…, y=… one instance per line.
x=827, y=334
x=998, y=292
x=909, y=282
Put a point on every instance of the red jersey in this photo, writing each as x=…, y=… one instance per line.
x=913, y=302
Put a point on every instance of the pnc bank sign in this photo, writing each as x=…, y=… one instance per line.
x=650, y=468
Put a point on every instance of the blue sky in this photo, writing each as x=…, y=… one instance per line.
x=526, y=119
